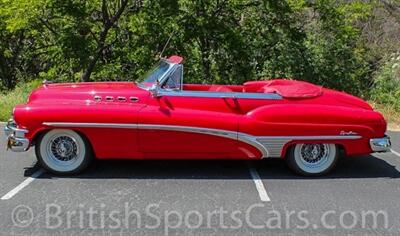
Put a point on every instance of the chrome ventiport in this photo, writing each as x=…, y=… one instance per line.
x=380, y=144
x=109, y=98
x=133, y=99
x=121, y=99
x=97, y=98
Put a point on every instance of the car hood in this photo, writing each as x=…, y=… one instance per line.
x=78, y=92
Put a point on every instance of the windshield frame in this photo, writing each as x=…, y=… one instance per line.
x=162, y=78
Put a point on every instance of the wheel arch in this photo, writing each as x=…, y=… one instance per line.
x=38, y=134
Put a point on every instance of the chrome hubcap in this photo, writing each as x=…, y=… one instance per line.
x=313, y=155
x=64, y=148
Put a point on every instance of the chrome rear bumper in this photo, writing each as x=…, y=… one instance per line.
x=380, y=144
x=16, y=140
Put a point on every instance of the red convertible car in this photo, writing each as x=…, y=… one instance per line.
x=163, y=118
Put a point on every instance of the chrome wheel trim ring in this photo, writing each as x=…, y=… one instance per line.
x=314, y=158
x=65, y=156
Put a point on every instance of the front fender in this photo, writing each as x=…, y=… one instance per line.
x=32, y=116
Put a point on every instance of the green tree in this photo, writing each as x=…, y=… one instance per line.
x=223, y=41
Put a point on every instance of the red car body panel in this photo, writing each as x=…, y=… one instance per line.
x=196, y=127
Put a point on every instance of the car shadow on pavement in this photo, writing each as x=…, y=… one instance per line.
x=347, y=167
x=357, y=167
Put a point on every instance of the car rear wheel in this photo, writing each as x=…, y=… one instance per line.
x=312, y=159
x=63, y=151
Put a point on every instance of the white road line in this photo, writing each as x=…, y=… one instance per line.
x=395, y=153
x=259, y=184
x=22, y=185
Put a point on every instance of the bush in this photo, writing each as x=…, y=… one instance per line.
x=386, y=89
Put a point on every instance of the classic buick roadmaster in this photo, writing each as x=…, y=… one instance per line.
x=163, y=118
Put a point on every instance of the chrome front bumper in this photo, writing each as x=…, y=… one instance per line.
x=380, y=144
x=16, y=140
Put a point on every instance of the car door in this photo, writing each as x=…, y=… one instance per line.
x=188, y=124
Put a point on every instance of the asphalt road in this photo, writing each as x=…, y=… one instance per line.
x=361, y=197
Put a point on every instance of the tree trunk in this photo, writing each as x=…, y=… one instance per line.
x=205, y=58
x=101, y=45
x=92, y=63
x=5, y=73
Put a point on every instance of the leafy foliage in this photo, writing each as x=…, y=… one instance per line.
x=387, y=83
x=223, y=41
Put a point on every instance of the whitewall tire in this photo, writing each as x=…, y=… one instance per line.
x=63, y=151
x=312, y=159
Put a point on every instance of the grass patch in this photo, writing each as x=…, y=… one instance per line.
x=17, y=96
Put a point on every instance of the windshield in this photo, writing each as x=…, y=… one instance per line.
x=154, y=75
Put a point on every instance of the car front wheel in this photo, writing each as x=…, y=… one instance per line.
x=312, y=159
x=63, y=151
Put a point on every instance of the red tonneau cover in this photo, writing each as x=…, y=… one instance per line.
x=285, y=88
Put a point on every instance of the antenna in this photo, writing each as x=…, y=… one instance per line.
x=166, y=44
